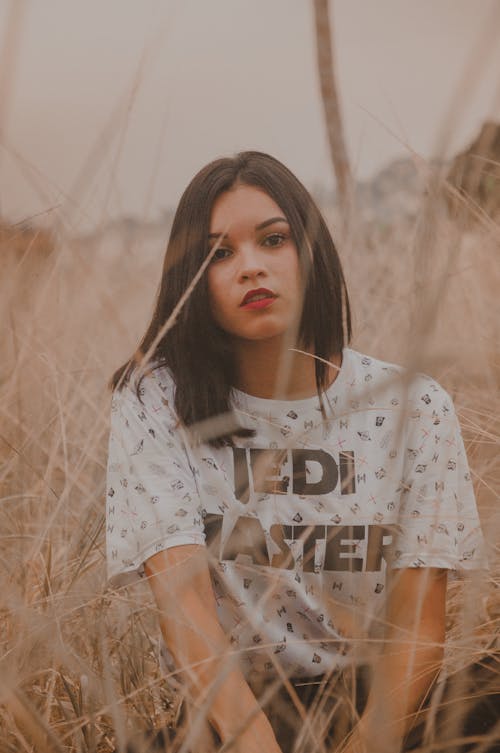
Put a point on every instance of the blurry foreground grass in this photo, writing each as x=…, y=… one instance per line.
x=78, y=663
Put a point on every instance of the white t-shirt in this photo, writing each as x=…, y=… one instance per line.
x=303, y=516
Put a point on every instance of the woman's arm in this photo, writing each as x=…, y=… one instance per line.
x=180, y=581
x=409, y=662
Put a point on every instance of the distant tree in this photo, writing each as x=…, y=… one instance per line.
x=474, y=176
x=331, y=106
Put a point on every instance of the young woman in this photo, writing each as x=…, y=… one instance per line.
x=285, y=496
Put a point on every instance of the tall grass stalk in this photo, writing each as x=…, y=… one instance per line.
x=78, y=662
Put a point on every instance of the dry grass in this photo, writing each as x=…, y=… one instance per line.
x=78, y=664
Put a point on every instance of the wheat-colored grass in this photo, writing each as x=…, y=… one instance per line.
x=78, y=662
x=78, y=666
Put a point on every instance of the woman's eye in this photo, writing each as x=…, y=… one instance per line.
x=221, y=253
x=273, y=240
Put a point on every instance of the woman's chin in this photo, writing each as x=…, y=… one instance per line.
x=266, y=336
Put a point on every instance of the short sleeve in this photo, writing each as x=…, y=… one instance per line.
x=152, y=498
x=439, y=522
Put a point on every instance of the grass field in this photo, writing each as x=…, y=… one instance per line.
x=77, y=661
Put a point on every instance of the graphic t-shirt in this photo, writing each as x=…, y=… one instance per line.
x=303, y=518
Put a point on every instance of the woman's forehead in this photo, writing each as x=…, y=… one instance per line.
x=243, y=206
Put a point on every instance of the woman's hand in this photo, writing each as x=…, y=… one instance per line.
x=180, y=580
x=409, y=662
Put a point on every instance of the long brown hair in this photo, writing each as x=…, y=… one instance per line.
x=195, y=350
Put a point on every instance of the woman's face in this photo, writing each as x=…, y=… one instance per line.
x=254, y=280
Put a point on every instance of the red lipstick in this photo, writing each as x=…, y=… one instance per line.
x=258, y=299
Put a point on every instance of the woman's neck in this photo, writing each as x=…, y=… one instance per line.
x=270, y=369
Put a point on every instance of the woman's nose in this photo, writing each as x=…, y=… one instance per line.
x=251, y=263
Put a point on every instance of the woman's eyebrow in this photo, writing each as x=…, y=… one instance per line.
x=270, y=222
x=260, y=226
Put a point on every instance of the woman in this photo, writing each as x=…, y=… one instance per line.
x=284, y=495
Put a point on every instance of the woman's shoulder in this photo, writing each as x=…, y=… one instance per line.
x=146, y=389
x=406, y=383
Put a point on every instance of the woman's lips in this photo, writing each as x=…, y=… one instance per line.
x=259, y=304
x=258, y=299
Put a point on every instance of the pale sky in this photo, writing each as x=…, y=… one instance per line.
x=115, y=104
